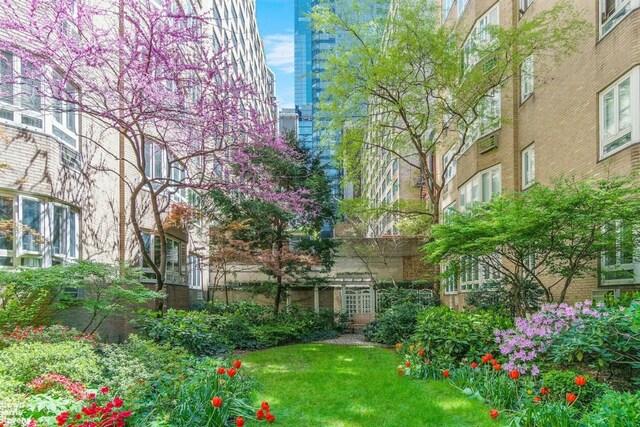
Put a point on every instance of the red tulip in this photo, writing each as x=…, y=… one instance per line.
x=494, y=414
x=237, y=364
x=231, y=372
x=486, y=357
x=446, y=373
x=514, y=375
x=265, y=406
x=216, y=402
x=474, y=365
x=571, y=397
x=580, y=381
x=497, y=366
x=407, y=364
x=537, y=399
x=544, y=391
x=221, y=370
x=260, y=414
x=239, y=421
x=400, y=372
x=270, y=418
x=420, y=352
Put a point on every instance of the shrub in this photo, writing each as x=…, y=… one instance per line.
x=396, y=324
x=556, y=414
x=74, y=359
x=499, y=296
x=45, y=334
x=614, y=410
x=449, y=336
x=561, y=382
x=397, y=296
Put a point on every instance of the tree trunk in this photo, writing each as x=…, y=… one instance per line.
x=276, y=307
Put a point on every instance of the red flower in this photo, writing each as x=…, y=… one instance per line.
x=571, y=397
x=239, y=421
x=544, y=391
x=400, y=372
x=514, y=375
x=91, y=396
x=60, y=419
x=221, y=370
x=494, y=414
x=231, y=372
x=446, y=373
x=497, y=366
x=537, y=399
x=407, y=364
x=474, y=365
x=260, y=414
x=270, y=418
x=216, y=402
x=420, y=352
x=486, y=357
x=237, y=364
x=580, y=381
x=104, y=390
x=117, y=402
x=265, y=406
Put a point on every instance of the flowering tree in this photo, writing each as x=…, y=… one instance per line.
x=148, y=72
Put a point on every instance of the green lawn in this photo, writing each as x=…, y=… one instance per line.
x=321, y=385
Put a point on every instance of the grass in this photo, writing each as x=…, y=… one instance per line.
x=321, y=385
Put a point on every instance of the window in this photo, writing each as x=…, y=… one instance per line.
x=6, y=232
x=6, y=77
x=613, y=11
x=450, y=282
x=64, y=242
x=488, y=120
x=528, y=167
x=620, y=114
x=526, y=78
x=524, y=5
x=155, y=161
x=620, y=266
x=479, y=37
x=469, y=273
x=65, y=115
x=446, y=8
x=450, y=165
x=174, y=259
x=31, y=88
x=462, y=5
x=195, y=272
x=480, y=188
x=178, y=176
x=31, y=221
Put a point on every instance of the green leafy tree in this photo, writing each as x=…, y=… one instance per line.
x=264, y=231
x=549, y=235
x=424, y=94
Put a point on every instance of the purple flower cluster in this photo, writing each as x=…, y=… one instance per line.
x=534, y=334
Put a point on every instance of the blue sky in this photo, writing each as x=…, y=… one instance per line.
x=276, y=21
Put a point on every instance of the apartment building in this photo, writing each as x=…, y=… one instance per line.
x=580, y=118
x=68, y=187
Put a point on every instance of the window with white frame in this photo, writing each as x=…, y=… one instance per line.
x=613, y=11
x=524, y=5
x=65, y=114
x=6, y=232
x=450, y=164
x=194, y=270
x=479, y=37
x=490, y=268
x=450, y=281
x=446, y=8
x=620, y=113
x=174, y=259
x=526, y=78
x=489, y=119
x=6, y=78
x=178, y=176
x=480, y=188
x=64, y=243
x=462, y=5
x=155, y=159
x=530, y=264
x=31, y=220
x=621, y=266
x=469, y=273
x=528, y=166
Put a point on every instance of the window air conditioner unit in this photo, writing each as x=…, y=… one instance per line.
x=599, y=294
x=488, y=143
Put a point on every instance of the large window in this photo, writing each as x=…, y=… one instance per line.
x=65, y=229
x=194, y=270
x=469, y=274
x=481, y=187
x=446, y=8
x=488, y=120
x=175, y=259
x=31, y=215
x=6, y=77
x=6, y=231
x=450, y=165
x=526, y=78
x=620, y=114
x=462, y=5
x=524, y=5
x=613, y=11
x=620, y=266
x=479, y=38
x=450, y=282
x=155, y=161
x=65, y=114
x=528, y=167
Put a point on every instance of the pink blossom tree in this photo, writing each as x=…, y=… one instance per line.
x=148, y=72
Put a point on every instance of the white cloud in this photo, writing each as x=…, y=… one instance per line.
x=280, y=51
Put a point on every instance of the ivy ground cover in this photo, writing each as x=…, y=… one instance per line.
x=344, y=386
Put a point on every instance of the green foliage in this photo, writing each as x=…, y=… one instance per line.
x=74, y=359
x=449, y=336
x=614, y=410
x=499, y=297
x=242, y=325
x=561, y=382
x=556, y=414
x=394, y=296
x=30, y=297
x=394, y=325
x=44, y=334
x=610, y=341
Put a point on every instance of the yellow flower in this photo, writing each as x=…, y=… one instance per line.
x=399, y=346
x=411, y=347
x=529, y=391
